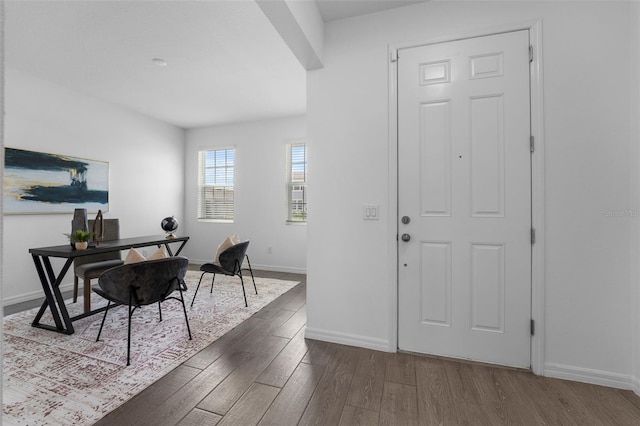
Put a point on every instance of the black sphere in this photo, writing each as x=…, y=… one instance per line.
x=169, y=224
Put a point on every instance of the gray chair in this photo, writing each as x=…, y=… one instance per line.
x=143, y=283
x=91, y=266
x=230, y=264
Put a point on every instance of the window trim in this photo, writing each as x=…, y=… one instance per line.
x=290, y=183
x=200, y=217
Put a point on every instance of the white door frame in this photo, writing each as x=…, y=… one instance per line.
x=537, y=182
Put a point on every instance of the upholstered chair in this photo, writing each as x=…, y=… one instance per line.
x=91, y=266
x=229, y=263
x=143, y=283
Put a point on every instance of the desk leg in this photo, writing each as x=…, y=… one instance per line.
x=54, y=299
x=181, y=247
x=168, y=247
x=49, y=300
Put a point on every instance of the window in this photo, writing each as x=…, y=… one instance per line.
x=297, y=183
x=215, y=184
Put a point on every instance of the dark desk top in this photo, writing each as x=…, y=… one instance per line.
x=67, y=251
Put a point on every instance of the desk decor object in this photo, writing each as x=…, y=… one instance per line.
x=98, y=228
x=37, y=182
x=81, y=239
x=169, y=225
x=78, y=223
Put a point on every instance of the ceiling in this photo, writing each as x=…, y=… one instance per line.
x=224, y=60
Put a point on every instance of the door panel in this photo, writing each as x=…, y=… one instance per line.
x=435, y=167
x=464, y=177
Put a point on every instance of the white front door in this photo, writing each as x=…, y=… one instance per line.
x=464, y=177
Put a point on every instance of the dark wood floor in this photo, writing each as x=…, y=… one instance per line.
x=265, y=372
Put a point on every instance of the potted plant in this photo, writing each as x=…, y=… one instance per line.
x=81, y=239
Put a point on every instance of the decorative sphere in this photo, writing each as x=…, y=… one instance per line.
x=169, y=224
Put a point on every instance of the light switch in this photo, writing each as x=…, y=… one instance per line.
x=370, y=212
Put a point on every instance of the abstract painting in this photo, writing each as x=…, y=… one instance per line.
x=37, y=182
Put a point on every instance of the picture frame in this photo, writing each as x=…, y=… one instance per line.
x=42, y=183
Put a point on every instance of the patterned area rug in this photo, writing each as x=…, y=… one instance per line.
x=56, y=379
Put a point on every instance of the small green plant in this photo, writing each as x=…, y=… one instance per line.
x=80, y=236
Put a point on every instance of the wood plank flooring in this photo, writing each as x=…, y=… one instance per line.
x=264, y=372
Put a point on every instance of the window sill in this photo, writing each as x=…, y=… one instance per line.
x=216, y=220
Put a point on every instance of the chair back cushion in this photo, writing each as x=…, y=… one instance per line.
x=150, y=281
x=231, y=259
x=231, y=240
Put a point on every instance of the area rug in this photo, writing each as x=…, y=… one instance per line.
x=56, y=379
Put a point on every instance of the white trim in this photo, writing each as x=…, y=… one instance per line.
x=636, y=385
x=537, y=200
x=588, y=375
x=33, y=295
x=349, y=339
x=537, y=179
x=393, y=220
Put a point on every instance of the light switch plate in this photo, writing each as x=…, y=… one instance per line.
x=370, y=212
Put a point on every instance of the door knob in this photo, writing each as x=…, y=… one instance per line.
x=405, y=237
x=406, y=219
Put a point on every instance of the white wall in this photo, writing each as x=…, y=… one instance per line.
x=588, y=170
x=635, y=194
x=260, y=191
x=146, y=169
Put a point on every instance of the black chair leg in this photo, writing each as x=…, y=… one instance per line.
x=243, y=292
x=104, y=317
x=160, y=309
x=196, y=292
x=184, y=309
x=212, y=280
x=129, y=331
x=251, y=271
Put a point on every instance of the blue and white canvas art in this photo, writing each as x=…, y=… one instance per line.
x=37, y=182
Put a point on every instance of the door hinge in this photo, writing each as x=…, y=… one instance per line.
x=533, y=236
x=533, y=327
x=532, y=143
x=393, y=55
x=530, y=53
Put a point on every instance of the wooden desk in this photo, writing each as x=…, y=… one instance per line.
x=51, y=282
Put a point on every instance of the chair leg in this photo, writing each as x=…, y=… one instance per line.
x=196, y=292
x=212, y=280
x=87, y=294
x=251, y=271
x=103, y=318
x=75, y=288
x=160, y=310
x=129, y=331
x=184, y=309
x=243, y=292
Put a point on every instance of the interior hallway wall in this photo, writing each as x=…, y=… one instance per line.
x=589, y=293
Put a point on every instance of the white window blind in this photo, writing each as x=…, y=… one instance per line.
x=216, y=184
x=297, y=182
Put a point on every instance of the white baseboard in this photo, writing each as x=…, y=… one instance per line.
x=636, y=385
x=33, y=295
x=349, y=339
x=594, y=377
x=272, y=268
